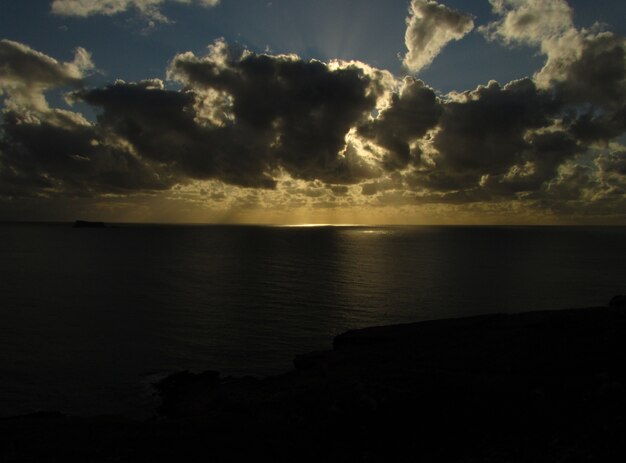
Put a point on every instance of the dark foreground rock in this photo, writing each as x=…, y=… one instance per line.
x=532, y=387
x=618, y=301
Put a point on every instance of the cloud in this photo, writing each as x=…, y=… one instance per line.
x=413, y=111
x=612, y=173
x=496, y=144
x=485, y=133
x=586, y=68
x=242, y=119
x=547, y=24
x=598, y=75
x=534, y=139
x=26, y=74
x=60, y=153
x=258, y=131
x=295, y=114
x=48, y=152
x=149, y=9
x=430, y=27
x=161, y=125
x=530, y=21
x=593, y=87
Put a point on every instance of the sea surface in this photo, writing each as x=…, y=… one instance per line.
x=90, y=318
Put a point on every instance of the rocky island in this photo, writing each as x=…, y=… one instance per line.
x=88, y=224
x=529, y=387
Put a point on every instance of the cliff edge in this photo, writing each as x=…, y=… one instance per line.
x=536, y=386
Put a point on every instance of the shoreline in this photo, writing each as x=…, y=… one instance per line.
x=532, y=386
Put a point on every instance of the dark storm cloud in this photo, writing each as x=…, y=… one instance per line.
x=256, y=120
x=51, y=152
x=585, y=68
x=61, y=154
x=339, y=190
x=369, y=189
x=598, y=76
x=161, y=125
x=485, y=133
x=499, y=142
x=597, y=126
x=527, y=137
x=296, y=112
x=538, y=165
x=595, y=85
x=241, y=120
x=533, y=139
x=413, y=111
x=612, y=172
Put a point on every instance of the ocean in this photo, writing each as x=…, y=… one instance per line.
x=90, y=318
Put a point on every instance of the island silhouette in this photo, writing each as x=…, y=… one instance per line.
x=88, y=224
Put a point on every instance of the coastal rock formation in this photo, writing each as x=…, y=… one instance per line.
x=189, y=394
x=530, y=387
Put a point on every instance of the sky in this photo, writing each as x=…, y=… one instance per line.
x=313, y=111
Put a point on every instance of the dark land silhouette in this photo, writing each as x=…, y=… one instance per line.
x=533, y=387
x=88, y=224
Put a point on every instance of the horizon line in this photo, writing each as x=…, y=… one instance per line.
x=313, y=225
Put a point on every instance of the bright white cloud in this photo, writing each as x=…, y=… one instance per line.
x=530, y=21
x=430, y=27
x=25, y=74
x=547, y=24
x=149, y=9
